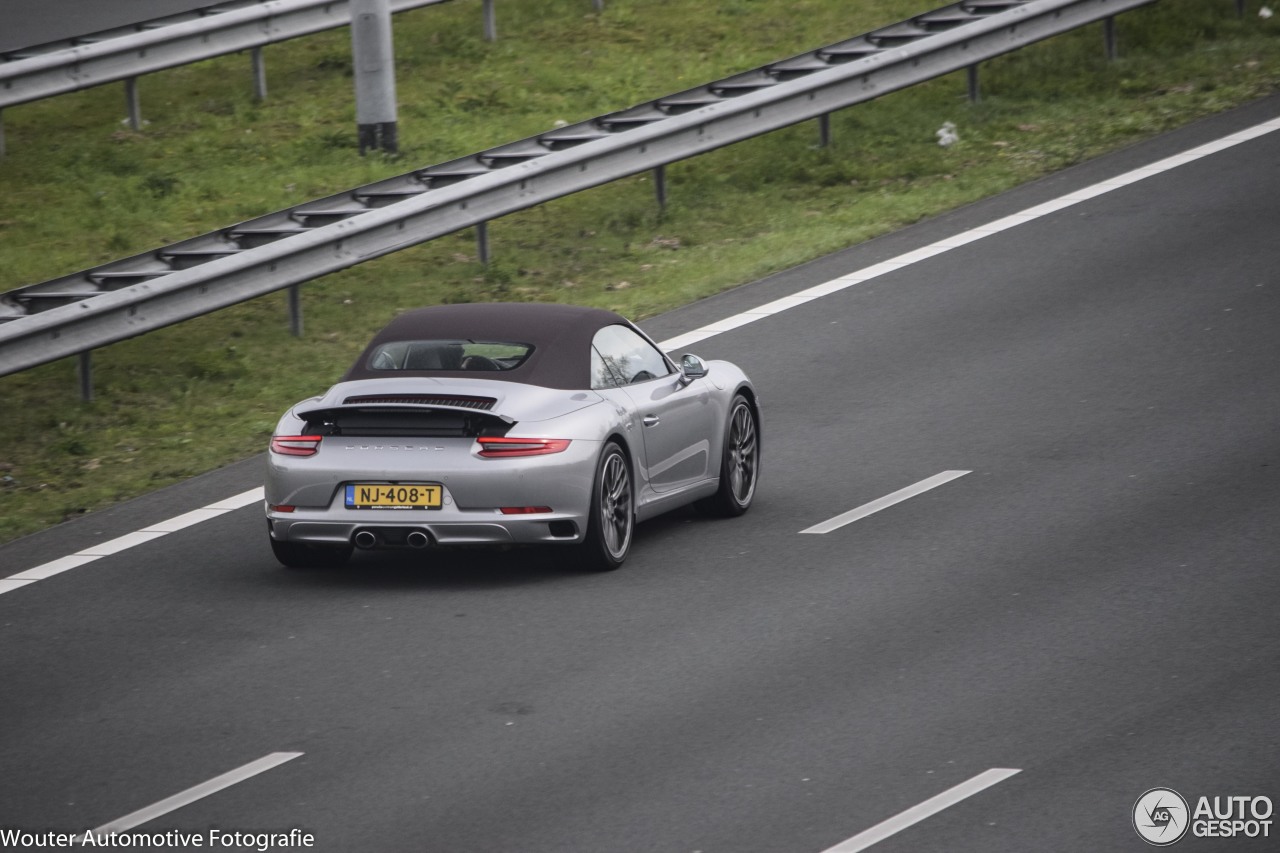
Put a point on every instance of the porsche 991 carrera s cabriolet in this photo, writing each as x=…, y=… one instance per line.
x=499, y=424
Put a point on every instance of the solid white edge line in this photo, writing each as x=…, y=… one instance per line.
x=240, y=501
x=685, y=340
x=742, y=319
x=129, y=540
x=124, y=543
x=48, y=570
x=977, y=233
x=927, y=809
x=187, y=519
x=204, y=789
x=885, y=502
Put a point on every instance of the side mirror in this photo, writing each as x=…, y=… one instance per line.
x=691, y=368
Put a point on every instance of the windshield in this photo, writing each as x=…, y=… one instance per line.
x=449, y=355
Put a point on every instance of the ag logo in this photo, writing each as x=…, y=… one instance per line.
x=1161, y=816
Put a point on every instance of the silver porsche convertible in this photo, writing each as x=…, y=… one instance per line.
x=521, y=423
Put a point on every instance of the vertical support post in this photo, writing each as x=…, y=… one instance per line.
x=295, y=310
x=86, y=376
x=1239, y=8
x=133, y=103
x=1, y=133
x=824, y=130
x=490, y=21
x=482, y=242
x=599, y=4
x=975, y=93
x=1109, y=36
x=259, y=74
x=375, y=75
x=660, y=186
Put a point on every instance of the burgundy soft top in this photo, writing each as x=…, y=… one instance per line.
x=560, y=334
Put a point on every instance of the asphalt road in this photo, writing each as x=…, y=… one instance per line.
x=31, y=22
x=1094, y=605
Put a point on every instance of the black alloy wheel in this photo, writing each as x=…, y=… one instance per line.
x=613, y=519
x=739, y=463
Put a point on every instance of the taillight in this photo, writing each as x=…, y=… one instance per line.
x=295, y=445
x=501, y=446
x=524, y=510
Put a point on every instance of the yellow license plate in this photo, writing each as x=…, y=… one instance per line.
x=384, y=496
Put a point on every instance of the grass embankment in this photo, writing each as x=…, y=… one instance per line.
x=78, y=188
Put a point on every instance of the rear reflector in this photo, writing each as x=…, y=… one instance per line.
x=525, y=510
x=281, y=508
x=295, y=445
x=497, y=447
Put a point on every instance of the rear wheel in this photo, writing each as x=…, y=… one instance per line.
x=739, y=463
x=295, y=555
x=612, y=519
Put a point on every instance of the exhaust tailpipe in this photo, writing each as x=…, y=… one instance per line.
x=418, y=539
x=365, y=539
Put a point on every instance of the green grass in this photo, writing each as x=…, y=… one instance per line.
x=78, y=188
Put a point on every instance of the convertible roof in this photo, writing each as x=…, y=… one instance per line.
x=560, y=334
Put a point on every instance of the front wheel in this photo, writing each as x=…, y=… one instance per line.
x=295, y=555
x=739, y=463
x=612, y=519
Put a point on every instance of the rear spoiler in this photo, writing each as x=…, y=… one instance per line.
x=404, y=419
x=317, y=413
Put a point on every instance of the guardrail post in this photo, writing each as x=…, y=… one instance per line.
x=660, y=186
x=86, y=376
x=1239, y=8
x=1109, y=36
x=259, y=74
x=975, y=94
x=824, y=130
x=1, y=133
x=295, y=310
x=373, y=67
x=600, y=5
x=133, y=103
x=379, y=231
x=490, y=21
x=482, y=242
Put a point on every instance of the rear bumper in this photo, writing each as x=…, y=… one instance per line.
x=473, y=492
x=393, y=529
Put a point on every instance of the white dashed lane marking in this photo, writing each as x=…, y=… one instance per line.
x=204, y=789
x=885, y=502
x=928, y=808
x=786, y=303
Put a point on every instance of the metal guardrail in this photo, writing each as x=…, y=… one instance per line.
x=125, y=53
x=18, y=54
x=90, y=309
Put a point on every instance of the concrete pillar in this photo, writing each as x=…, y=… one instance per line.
x=373, y=67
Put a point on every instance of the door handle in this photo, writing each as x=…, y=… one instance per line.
x=650, y=420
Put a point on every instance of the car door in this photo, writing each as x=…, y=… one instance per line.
x=676, y=418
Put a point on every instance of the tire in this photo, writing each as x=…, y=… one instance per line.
x=739, y=463
x=298, y=556
x=612, y=520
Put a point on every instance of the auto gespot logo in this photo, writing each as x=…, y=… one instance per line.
x=1162, y=816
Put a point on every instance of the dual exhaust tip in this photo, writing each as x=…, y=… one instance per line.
x=366, y=539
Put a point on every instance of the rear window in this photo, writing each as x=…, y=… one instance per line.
x=487, y=356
